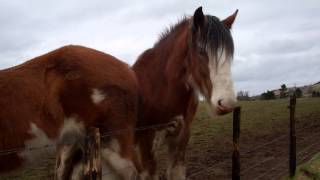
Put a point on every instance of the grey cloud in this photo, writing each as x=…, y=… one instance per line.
x=276, y=41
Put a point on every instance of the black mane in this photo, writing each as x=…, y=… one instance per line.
x=215, y=36
x=172, y=29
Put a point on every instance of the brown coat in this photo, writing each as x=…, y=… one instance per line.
x=50, y=88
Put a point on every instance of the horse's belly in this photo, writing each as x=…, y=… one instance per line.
x=37, y=151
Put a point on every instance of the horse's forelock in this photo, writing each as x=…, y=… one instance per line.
x=216, y=38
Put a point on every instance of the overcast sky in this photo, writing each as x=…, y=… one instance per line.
x=276, y=41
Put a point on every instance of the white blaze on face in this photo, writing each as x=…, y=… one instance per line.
x=221, y=80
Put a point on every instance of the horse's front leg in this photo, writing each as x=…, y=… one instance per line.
x=177, y=144
x=148, y=148
x=145, y=150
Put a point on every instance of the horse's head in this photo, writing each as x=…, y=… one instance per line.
x=211, y=53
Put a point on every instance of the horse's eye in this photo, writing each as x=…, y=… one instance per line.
x=202, y=52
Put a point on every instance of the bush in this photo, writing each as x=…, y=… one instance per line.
x=268, y=95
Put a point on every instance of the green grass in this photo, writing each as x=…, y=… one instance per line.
x=256, y=117
x=261, y=121
x=309, y=170
x=214, y=133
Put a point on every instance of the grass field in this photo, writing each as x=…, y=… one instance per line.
x=210, y=147
x=258, y=118
x=309, y=170
x=261, y=122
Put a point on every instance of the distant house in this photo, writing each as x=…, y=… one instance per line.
x=306, y=90
x=288, y=91
x=277, y=93
x=316, y=87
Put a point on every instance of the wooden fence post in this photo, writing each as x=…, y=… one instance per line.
x=92, y=158
x=292, y=134
x=236, y=135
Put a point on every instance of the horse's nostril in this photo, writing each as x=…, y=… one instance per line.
x=219, y=102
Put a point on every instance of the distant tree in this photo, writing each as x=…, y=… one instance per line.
x=298, y=93
x=283, y=86
x=315, y=94
x=243, y=96
x=283, y=91
x=268, y=95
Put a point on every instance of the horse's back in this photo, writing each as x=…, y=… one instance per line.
x=70, y=81
x=72, y=58
x=94, y=65
x=94, y=79
x=68, y=71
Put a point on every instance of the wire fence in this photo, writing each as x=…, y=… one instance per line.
x=283, y=162
x=155, y=127
x=108, y=134
x=254, y=150
x=104, y=135
x=202, y=171
x=208, y=169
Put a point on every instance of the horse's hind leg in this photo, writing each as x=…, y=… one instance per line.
x=70, y=150
x=117, y=154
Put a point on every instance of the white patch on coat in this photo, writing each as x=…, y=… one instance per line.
x=77, y=172
x=175, y=124
x=138, y=153
x=71, y=136
x=72, y=125
x=39, y=147
x=108, y=174
x=159, y=139
x=63, y=155
x=221, y=79
x=97, y=96
x=114, y=145
x=122, y=166
x=144, y=175
x=177, y=172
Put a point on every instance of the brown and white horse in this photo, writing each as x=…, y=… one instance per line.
x=58, y=95
x=192, y=58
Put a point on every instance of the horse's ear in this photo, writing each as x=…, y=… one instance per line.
x=198, y=18
x=229, y=20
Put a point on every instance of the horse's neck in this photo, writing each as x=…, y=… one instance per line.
x=165, y=64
